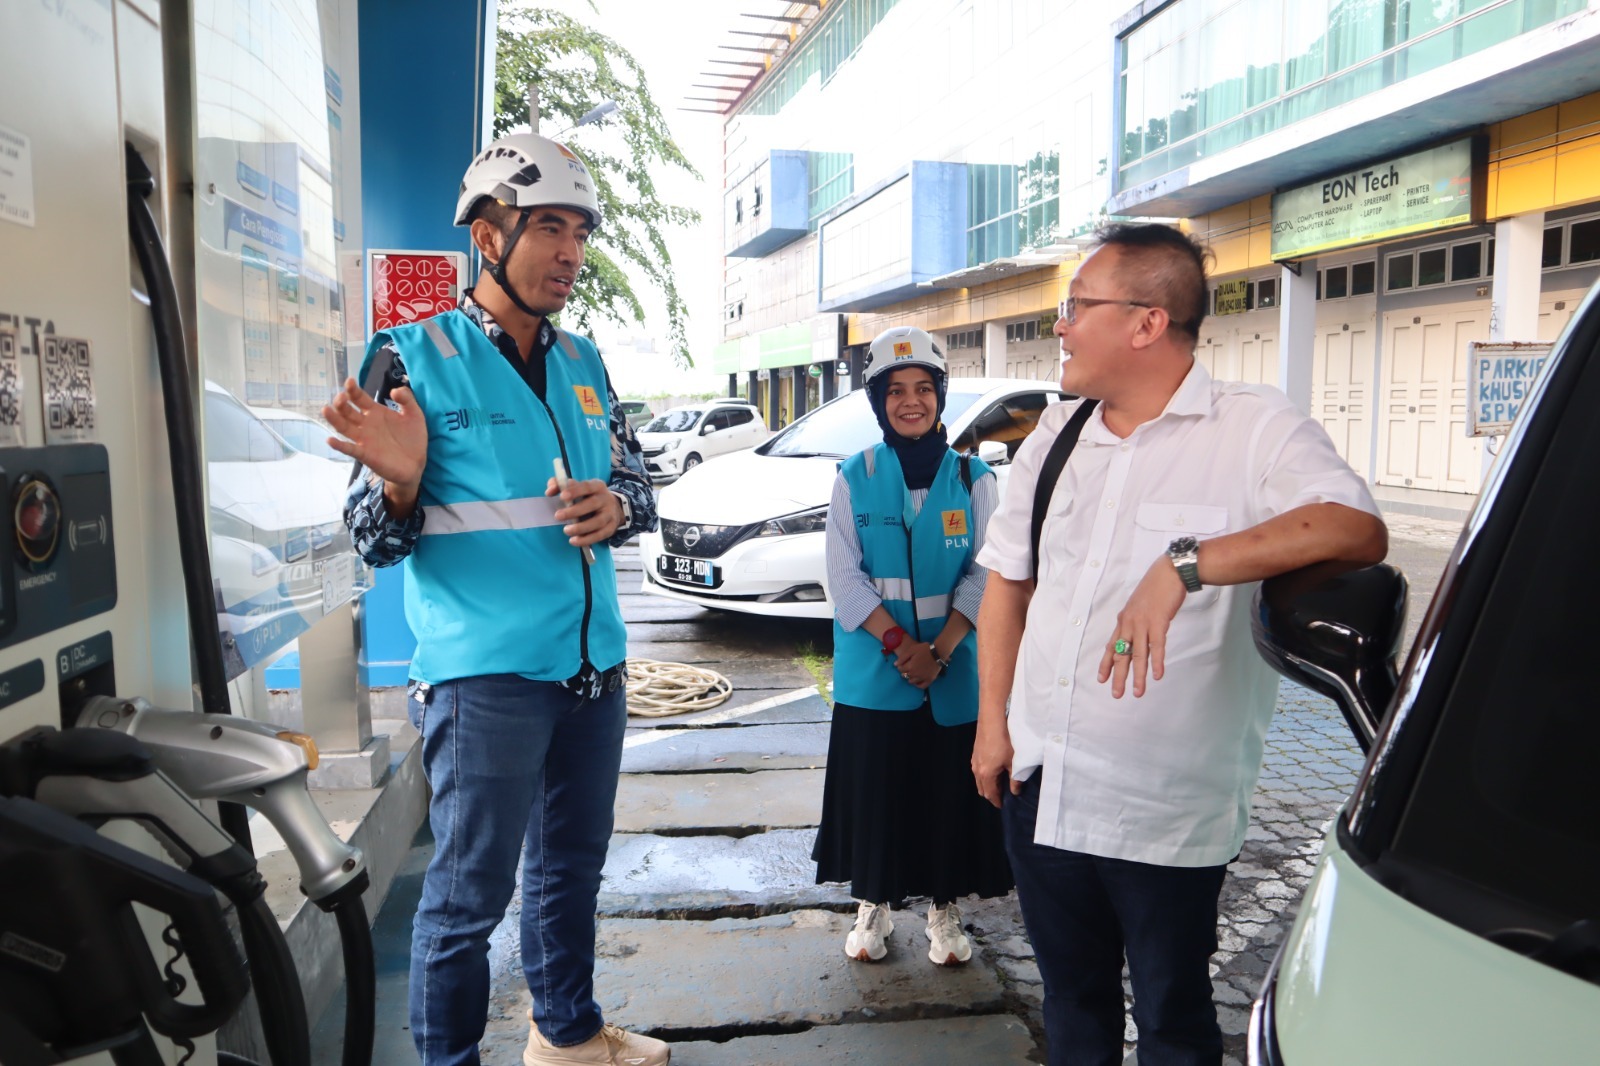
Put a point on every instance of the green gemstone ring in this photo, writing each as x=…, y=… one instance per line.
x=1122, y=647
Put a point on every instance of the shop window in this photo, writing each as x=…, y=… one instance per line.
x=1431, y=267
x=1267, y=292
x=1336, y=283
x=1402, y=272
x=1466, y=262
x=1584, y=243
x=1550, y=255
x=1363, y=278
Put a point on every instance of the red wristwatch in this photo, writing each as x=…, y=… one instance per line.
x=892, y=639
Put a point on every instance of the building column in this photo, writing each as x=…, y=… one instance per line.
x=830, y=378
x=1514, y=290
x=797, y=402
x=753, y=388
x=1297, y=331
x=994, y=350
x=733, y=386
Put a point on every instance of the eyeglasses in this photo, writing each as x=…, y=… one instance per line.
x=1069, y=307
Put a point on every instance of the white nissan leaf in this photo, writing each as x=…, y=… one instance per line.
x=746, y=533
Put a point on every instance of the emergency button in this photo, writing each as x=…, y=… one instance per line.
x=36, y=518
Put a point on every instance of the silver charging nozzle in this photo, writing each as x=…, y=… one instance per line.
x=221, y=757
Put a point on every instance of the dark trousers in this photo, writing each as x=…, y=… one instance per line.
x=1083, y=912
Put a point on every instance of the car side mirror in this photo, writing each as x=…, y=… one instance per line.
x=993, y=452
x=1336, y=630
x=707, y=429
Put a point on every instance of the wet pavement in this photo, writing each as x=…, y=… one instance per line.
x=714, y=936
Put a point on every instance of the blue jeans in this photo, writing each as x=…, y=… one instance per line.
x=514, y=765
x=1082, y=913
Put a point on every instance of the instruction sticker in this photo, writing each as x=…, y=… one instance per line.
x=16, y=177
x=338, y=582
x=11, y=428
x=68, y=383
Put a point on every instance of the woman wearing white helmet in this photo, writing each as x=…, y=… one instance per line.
x=900, y=814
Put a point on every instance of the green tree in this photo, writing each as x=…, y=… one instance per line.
x=575, y=69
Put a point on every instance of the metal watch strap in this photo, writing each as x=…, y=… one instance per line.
x=1185, y=555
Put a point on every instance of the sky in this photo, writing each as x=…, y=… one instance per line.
x=672, y=42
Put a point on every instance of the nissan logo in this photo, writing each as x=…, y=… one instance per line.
x=691, y=536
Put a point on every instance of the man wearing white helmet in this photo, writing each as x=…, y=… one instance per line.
x=517, y=682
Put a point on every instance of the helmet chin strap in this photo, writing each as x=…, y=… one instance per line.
x=497, y=270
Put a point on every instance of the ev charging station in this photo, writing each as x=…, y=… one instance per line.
x=188, y=192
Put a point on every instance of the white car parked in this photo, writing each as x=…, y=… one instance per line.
x=682, y=438
x=745, y=534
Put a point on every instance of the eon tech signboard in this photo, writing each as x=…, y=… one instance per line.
x=1437, y=188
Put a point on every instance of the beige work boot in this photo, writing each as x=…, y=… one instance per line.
x=611, y=1046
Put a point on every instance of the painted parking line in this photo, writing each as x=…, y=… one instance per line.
x=649, y=736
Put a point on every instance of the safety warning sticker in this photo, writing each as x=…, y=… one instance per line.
x=68, y=390
x=11, y=429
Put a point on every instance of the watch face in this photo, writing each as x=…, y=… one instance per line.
x=1183, y=545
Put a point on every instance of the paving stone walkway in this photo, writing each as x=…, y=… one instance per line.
x=714, y=936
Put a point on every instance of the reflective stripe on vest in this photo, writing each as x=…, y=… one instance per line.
x=529, y=512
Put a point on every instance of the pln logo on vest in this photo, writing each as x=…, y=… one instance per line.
x=589, y=401
x=955, y=528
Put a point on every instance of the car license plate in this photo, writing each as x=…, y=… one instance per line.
x=689, y=571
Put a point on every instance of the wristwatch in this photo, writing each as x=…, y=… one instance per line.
x=1185, y=555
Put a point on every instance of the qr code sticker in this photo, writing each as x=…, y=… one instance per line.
x=11, y=431
x=68, y=390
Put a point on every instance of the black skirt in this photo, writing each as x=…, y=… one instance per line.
x=901, y=815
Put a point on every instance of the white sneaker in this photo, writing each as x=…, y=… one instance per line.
x=866, y=941
x=611, y=1046
x=949, y=944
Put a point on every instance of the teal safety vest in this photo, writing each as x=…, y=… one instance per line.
x=493, y=586
x=915, y=560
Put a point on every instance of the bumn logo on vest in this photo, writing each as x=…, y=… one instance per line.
x=465, y=418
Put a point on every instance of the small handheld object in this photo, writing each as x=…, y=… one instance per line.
x=561, y=483
x=893, y=637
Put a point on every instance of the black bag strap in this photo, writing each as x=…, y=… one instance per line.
x=1055, y=461
x=966, y=472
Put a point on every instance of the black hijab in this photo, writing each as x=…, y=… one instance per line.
x=919, y=458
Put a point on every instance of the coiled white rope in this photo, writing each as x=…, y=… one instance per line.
x=657, y=689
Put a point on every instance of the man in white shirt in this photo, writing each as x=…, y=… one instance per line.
x=1138, y=705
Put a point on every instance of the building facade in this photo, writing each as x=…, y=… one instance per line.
x=1381, y=182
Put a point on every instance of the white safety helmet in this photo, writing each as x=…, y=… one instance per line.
x=526, y=170
x=903, y=346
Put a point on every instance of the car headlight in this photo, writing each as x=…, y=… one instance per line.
x=813, y=521
x=672, y=444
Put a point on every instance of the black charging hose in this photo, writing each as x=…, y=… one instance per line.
x=277, y=985
x=183, y=449
x=360, y=980
x=271, y=965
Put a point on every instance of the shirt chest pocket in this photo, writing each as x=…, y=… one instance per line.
x=1159, y=524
